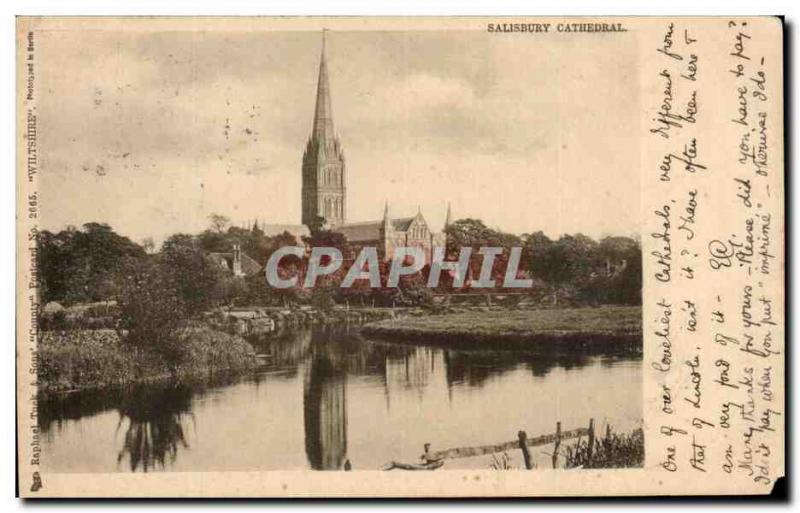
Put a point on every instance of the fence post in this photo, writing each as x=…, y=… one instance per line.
x=590, y=447
x=558, y=444
x=523, y=445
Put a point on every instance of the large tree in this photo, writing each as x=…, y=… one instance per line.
x=473, y=233
x=199, y=282
x=83, y=265
x=219, y=223
x=619, y=275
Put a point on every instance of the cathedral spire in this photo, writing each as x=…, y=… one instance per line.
x=323, y=112
x=386, y=220
x=324, y=174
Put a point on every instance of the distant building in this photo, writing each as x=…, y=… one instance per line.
x=236, y=262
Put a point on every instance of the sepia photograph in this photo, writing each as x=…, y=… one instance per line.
x=162, y=340
x=414, y=248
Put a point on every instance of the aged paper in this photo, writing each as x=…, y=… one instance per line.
x=400, y=257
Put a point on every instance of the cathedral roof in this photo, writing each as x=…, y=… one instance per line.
x=360, y=232
x=402, y=224
x=371, y=230
x=298, y=230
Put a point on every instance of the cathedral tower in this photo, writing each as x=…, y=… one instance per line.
x=323, y=161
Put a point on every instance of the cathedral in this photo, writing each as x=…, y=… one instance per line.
x=324, y=190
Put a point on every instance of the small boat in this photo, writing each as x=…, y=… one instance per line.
x=430, y=465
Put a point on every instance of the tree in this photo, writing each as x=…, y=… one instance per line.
x=562, y=264
x=412, y=290
x=317, y=224
x=214, y=241
x=148, y=245
x=537, y=255
x=179, y=240
x=197, y=279
x=289, y=266
x=540, y=259
x=83, y=265
x=160, y=294
x=473, y=233
x=54, y=257
x=618, y=278
x=326, y=287
x=219, y=223
x=150, y=309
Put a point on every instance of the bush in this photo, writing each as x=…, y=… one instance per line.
x=209, y=350
x=71, y=360
x=81, y=358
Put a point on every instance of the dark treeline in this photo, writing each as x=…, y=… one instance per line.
x=575, y=267
x=181, y=277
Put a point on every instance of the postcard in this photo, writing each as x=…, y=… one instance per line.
x=400, y=257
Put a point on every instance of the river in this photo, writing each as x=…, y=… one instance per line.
x=324, y=397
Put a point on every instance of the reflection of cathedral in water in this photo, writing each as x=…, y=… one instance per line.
x=330, y=356
x=414, y=370
x=325, y=411
x=390, y=387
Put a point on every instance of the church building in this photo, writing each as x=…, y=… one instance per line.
x=324, y=189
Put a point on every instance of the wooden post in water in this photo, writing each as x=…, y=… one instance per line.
x=590, y=447
x=558, y=444
x=523, y=445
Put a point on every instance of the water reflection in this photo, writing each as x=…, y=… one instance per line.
x=155, y=418
x=362, y=401
x=410, y=366
x=324, y=410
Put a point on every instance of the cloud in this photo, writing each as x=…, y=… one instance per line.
x=162, y=128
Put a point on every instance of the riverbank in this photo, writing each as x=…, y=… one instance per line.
x=616, y=328
x=73, y=360
x=258, y=320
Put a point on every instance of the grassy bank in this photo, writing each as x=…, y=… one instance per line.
x=82, y=359
x=615, y=327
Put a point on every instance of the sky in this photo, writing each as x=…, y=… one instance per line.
x=153, y=131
